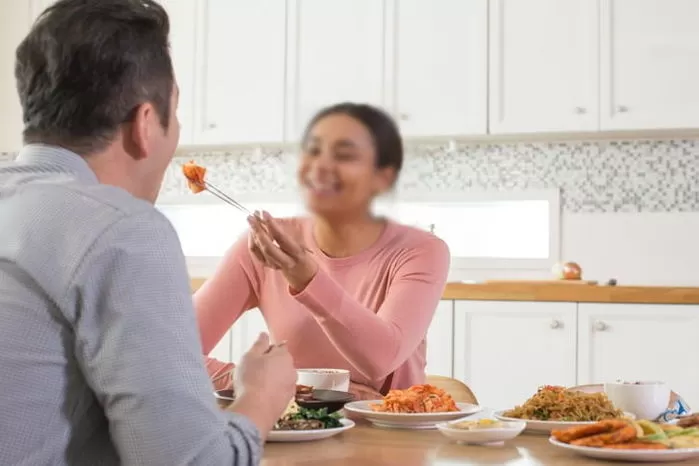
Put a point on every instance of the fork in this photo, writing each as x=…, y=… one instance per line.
x=225, y=374
x=225, y=197
x=230, y=201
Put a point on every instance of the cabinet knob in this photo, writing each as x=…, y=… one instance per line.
x=622, y=109
x=580, y=110
x=212, y=125
x=404, y=117
x=601, y=326
x=556, y=324
x=432, y=228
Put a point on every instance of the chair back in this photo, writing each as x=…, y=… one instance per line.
x=456, y=388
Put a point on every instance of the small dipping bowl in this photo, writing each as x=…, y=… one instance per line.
x=332, y=400
x=224, y=398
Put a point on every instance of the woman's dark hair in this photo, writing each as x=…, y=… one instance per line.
x=86, y=66
x=384, y=131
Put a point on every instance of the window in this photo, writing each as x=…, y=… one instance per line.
x=490, y=230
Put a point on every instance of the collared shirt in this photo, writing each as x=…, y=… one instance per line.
x=100, y=357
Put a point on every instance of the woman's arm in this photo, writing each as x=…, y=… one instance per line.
x=376, y=344
x=233, y=289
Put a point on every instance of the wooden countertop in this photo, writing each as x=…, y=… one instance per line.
x=368, y=446
x=527, y=291
x=580, y=293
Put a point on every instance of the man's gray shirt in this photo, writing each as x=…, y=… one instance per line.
x=100, y=357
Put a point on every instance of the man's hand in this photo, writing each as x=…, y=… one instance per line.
x=264, y=384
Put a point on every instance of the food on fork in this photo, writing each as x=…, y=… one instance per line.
x=417, y=399
x=195, y=175
x=555, y=403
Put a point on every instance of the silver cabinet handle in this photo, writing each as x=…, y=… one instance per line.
x=404, y=117
x=601, y=326
x=212, y=125
x=556, y=324
x=580, y=110
x=622, y=109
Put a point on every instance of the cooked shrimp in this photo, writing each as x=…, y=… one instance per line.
x=195, y=176
x=574, y=433
x=619, y=432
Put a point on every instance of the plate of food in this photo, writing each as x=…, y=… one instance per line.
x=418, y=407
x=554, y=407
x=630, y=440
x=482, y=431
x=304, y=425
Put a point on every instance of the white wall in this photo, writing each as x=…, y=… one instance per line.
x=11, y=33
x=634, y=248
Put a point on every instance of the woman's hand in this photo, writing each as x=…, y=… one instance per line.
x=279, y=250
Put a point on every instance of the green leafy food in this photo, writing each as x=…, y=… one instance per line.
x=330, y=421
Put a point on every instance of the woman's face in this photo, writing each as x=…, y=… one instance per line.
x=338, y=171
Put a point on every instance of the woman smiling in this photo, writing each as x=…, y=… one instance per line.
x=344, y=288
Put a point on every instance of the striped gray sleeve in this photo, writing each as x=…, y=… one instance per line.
x=138, y=345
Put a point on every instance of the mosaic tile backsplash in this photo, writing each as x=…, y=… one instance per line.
x=619, y=176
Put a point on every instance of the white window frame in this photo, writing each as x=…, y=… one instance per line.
x=205, y=266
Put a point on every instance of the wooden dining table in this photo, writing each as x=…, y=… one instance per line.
x=365, y=445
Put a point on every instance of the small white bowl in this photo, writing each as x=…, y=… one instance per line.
x=483, y=436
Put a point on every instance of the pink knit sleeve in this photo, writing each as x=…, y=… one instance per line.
x=233, y=289
x=377, y=343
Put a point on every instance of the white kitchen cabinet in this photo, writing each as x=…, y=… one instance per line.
x=650, y=64
x=505, y=350
x=241, y=58
x=183, y=40
x=639, y=342
x=441, y=67
x=336, y=53
x=440, y=341
x=544, y=66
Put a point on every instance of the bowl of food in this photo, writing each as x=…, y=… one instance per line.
x=324, y=379
x=330, y=400
x=481, y=431
x=645, y=399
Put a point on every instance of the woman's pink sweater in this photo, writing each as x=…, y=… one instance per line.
x=368, y=313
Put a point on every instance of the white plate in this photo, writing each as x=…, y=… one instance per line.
x=545, y=427
x=410, y=420
x=640, y=456
x=509, y=431
x=308, y=435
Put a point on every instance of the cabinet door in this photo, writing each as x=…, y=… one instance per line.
x=639, y=342
x=336, y=52
x=242, y=75
x=504, y=351
x=183, y=34
x=650, y=64
x=544, y=67
x=441, y=66
x=440, y=341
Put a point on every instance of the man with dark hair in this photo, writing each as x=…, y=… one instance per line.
x=99, y=349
